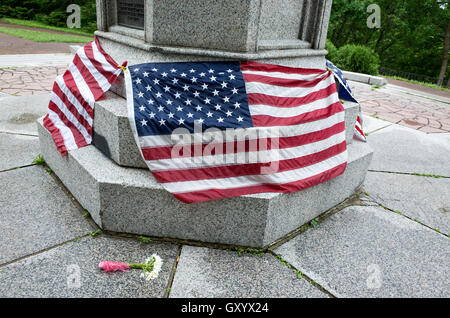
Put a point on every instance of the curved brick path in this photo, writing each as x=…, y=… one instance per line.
x=419, y=113
x=28, y=80
x=414, y=112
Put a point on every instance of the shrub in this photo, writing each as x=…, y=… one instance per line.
x=332, y=50
x=357, y=58
x=56, y=18
x=50, y=12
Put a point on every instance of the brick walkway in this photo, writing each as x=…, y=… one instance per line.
x=413, y=112
x=28, y=80
x=422, y=114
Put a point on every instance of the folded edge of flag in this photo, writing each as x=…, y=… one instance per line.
x=71, y=108
x=346, y=94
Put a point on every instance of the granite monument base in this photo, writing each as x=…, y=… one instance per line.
x=129, y=200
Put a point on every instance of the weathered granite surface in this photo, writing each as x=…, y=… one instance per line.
x=230, y=25
x=426, y=199
x=115, y=139
x=35, y=214
x=71, y=271
x=370, y=252
x=280, y=20
x=401, y=149
x=19, y=114
x=225, y=25
x=209, y=273
x=371, y=124
x=137, y=51
x=17, y=150
x=130, y=200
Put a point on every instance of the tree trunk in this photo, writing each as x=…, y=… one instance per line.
x=445, y=55
x=448, y=83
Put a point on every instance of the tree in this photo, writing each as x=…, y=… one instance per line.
x=410, y=37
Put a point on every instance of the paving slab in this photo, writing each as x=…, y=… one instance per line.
x=423, y=198
x=35, y=213
x=204, y=272
x=19, y=114
x=27, y=60
x=371, y=252
x=400, y=149
x=17, y=150
x=72, y=270
x=372, y=125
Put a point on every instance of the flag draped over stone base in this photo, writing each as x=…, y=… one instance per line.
x=223, y=129
x=71, y=108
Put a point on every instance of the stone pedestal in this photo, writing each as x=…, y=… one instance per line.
x=110, y=178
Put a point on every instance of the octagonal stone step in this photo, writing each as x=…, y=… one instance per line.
x=113, y=135
x=130, y=200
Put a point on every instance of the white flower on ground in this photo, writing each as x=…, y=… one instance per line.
x=152, y=267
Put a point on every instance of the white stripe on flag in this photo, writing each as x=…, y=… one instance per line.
x=101, y=80
x=83, y=87
x=66, y=133
x=262, y=156
x=63, y=108
x=248, y=181
x=241, y=134
x=281, y=91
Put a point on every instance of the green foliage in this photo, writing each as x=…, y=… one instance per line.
x=145, y=240
x=332, y=50
x=37, y=24
x=418, y=83
x=357, y=58
x=95, y=233
x=51, y=12
x=242, y=251
x=410, y=38
x=39, y=161
x=38, y=36
x=314, y=222
x=427, y=175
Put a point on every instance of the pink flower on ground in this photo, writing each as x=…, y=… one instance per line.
x=108, y=266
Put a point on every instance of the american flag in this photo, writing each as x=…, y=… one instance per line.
x=71, y=108
x=345, y=93
x=222, y=129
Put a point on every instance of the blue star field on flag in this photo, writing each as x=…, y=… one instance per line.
x=170, y=96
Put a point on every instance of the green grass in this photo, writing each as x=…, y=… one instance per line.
x=145, y=240
x=427, y=175
x=95, y=233
x=37, y=24
x=38, y=36
x=418, y=83
x=39, y=161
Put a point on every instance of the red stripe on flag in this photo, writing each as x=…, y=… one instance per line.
x=107, y=56
x=360, y=131
x=284, y=82
x=89, y=51
x=56, y=135
x=214, y=194
x=270, y=121
x=78, y=137
x=158, y=153
x=260, y=67
x=73, y=88
x=94, y=86
x=57, y=91
x=230, y=171
x=263, y=99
